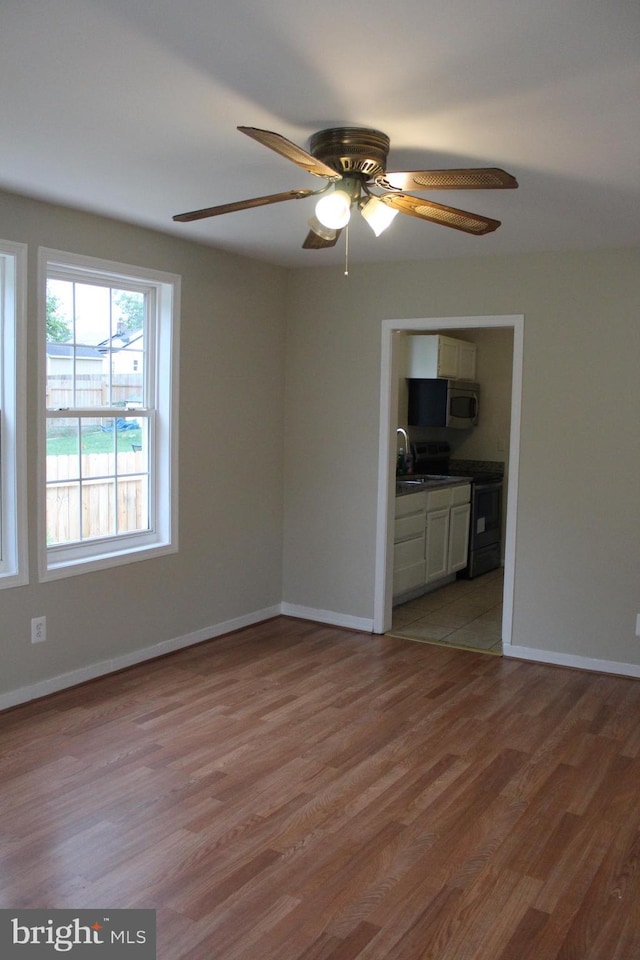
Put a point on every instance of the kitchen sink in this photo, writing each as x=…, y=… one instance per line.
x=418, y=479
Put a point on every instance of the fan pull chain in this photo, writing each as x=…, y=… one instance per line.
x=346, y=251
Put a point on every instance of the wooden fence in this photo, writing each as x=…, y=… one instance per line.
x=74, y=516
x=92, y=390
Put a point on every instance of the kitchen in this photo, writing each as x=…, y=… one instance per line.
x=450, y=532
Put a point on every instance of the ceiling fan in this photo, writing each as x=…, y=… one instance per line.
x=353, y=160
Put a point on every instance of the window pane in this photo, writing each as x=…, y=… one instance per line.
x=63, y=464
x=92, y=315
x=63, y=513
x=127, y=347
x=92, y=330
x=98, y=447
x=133, y=474
x=98, y=509
x=131, y=440
x=59, y=344
x=59, y=311
x=133, y=504
x=128, y=307
x=63, y=461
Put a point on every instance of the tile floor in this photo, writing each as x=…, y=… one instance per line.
x=465, y=613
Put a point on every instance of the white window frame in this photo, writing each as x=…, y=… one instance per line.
x=63, y=560
x=13, y=477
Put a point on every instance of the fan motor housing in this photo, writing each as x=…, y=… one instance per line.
x=352, y=151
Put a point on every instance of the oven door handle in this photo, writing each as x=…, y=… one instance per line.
x=489, y=485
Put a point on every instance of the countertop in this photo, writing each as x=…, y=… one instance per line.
x=417, y=482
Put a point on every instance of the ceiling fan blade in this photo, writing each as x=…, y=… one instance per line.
x=242, y=205
x=480, y=178
x=292, y=152
x=315, y=242
x=438, y=213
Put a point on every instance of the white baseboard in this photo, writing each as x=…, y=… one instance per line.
x=571, y=660
x=44, y=687
x=327, y=616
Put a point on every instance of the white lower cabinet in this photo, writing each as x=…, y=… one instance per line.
x=459, y=537
x=437, y=545
x=431, y=538
x=409, y=544
x=448, y=514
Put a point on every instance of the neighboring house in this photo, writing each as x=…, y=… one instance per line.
x=126, y=348
x=60, y=360
x=123, y=351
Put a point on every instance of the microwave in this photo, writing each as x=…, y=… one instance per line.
x=443, y=403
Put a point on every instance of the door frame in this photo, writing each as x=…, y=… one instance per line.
x=389, y=374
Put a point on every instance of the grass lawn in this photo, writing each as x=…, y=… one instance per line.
x=97, y=441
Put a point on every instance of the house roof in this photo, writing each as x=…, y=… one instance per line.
x=550, y=91
x=67, y=350
x=125, y=340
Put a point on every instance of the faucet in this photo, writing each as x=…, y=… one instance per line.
x=404, y=455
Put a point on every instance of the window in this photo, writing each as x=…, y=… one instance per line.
x=13, y=522
x=109, y=413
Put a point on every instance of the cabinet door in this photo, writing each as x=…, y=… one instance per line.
x=466, y=361
x=459, y=537
x=437, y=546
x=408, y=565
x=422, y=356
x=411, y=503
x=448, y=357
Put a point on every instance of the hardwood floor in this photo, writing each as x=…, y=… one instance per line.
x=300, y=792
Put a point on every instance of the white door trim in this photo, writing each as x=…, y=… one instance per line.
x=386, y=463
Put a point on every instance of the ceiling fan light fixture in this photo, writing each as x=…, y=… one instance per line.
x=334, y=209
x=325, y=233
x=377, y=214
x=351, y=160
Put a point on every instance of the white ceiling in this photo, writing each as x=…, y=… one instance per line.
x=130, y=107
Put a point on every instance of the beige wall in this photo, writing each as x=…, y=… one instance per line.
x=244, y=374
x=230, y=486
x=578, y=531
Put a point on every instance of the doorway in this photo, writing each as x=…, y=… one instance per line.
x=392, y=332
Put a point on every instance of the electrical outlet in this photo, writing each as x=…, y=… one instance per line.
x=38, y=630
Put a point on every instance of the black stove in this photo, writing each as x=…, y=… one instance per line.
x=434, y=456
x=478, y=475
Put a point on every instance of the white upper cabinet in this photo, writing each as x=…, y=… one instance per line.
x=466, y=360
x=433, y=355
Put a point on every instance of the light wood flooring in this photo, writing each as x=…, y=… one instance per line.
x=465, y=613
x=300, y=792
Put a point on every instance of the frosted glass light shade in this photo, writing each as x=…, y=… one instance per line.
x=325, y=233
x=377, y=214
x=334, y=209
